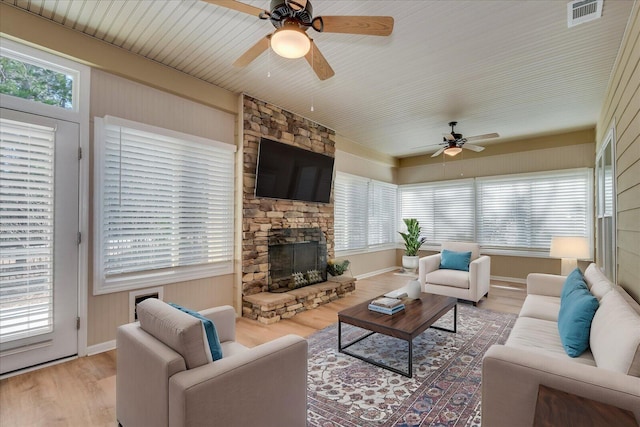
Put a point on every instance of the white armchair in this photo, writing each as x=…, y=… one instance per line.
x=469, y=285
x=164, y=380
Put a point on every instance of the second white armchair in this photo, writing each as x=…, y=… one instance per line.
x=469, y=285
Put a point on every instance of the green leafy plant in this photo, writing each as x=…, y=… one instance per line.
x=337, y=268
x=412, y=239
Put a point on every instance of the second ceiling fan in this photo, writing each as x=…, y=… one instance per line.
x=292, y=19
x=453, y=143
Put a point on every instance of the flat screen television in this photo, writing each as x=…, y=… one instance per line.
x=288, y=172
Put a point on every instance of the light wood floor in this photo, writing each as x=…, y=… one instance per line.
x=81, y=392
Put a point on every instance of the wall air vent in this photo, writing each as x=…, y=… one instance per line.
x=581, y=11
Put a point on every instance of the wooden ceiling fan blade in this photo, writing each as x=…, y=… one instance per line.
x=365, y=25
x=236, y=5
x=480, y=137
x=472, y=147
x=448, y=137
x=437, y=153
x=253, y=52
x=318, y=62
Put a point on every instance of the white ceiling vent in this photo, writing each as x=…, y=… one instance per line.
x=581, y=11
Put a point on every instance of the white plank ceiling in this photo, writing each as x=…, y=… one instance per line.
x=512, y=67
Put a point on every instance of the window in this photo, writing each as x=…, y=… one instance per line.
x=606, y=245
x=26, y=214
x=29, y=78
x=525, y=211
x=445, y=210
x=166, y=208
x=382, y=213
x=513, y=212
x=365, y=213
x=350, y=212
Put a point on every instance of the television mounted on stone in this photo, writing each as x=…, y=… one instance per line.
x=292, y=173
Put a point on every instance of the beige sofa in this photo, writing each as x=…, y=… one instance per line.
x=163, y=376
x=608, y=372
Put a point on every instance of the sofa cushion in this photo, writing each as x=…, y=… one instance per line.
x=452, y=260
x=542, y=336
x=454, y=278
x=573, y=281
x=577, y=309
x=175, y=329
x=596, y=281
x=213, y=350
x=541, y=307
x=615, y=335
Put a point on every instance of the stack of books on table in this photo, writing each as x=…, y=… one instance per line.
x=386, y=305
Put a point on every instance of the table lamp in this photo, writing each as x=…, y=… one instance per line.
x=570, y=249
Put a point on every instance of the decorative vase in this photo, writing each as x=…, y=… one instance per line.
x=410, y=263
x=414, y=288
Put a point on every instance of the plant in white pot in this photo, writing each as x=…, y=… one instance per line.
x=412, y=243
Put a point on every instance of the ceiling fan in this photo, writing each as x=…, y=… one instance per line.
x=453, y=143
x=292, y=19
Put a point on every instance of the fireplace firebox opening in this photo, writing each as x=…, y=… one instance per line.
x=297, y=258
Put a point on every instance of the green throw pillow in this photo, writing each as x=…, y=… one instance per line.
x=450, y=260
x=577, y=309
x=210, y=330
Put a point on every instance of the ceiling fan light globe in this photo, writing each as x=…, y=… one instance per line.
x=452, y=151
x=290, y=42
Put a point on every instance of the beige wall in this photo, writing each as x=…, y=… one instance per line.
x=622, y=109
x=553, y=152
x=116, y=96
x=367, y=263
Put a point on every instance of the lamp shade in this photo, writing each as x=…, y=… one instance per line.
x=570, y=247
x=289, y=41
x=452, y=151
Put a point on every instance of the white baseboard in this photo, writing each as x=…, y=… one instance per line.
x=375, y=273
x=509, y=279
x=101, y=348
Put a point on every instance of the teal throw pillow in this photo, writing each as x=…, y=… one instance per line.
x=574, y=320
x=450, y=260
x=210, y=330
x=573, y=281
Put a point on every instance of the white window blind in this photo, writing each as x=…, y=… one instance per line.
x=525, y=211
x=445, y=210
x=350, y=194
x=166, y=206
x=364, y=212
x=27, y=229
x=382, y=213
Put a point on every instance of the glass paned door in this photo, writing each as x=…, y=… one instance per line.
x=38, y=239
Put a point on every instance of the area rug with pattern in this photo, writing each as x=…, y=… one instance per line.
x=447, y=370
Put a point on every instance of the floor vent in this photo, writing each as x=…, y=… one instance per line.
x=581, y=11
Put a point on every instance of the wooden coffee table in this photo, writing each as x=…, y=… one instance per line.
x=417, y=317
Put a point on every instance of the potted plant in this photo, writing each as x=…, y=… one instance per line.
x=337, y=268
x=412, y=243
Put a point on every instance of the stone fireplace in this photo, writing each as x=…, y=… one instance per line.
x=263, y=218
x=297, y=258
